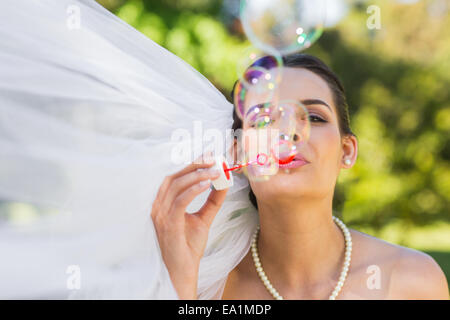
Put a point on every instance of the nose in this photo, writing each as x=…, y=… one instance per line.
x=291, y=121
x=295, y=137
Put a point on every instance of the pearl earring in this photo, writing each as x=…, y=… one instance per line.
x=348, y=162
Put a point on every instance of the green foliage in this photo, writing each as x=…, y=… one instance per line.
x=190, y=30
x=397, y=81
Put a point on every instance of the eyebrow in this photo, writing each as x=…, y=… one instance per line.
x=309, y=102
x=260, y=105
x=306, y=102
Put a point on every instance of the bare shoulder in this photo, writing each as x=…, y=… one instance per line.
x=412, y=274
x=417, y=275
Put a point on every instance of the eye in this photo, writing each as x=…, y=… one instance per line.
x=262, y=122
x=313, y=118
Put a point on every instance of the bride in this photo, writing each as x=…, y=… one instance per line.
x=300, y=250
x=88, y=107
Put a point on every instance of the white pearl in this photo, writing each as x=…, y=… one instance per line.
x=342, y=277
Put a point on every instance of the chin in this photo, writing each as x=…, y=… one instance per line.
x=286, y=183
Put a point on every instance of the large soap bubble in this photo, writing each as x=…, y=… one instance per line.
x=259, y=73
x=283, y=26
x=254, y=69
x=274, y=135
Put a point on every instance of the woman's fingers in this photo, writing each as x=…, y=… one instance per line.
x=212, y=205
x=202, y=162
x=190, y=168
x=186, y=181
x=182, y=242
x=185, y=198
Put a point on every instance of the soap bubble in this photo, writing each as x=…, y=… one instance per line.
x=252, y=57
x=258, y=72
x=283, y=26
x=275, y=133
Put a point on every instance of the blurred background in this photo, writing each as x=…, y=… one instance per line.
x=397, y=80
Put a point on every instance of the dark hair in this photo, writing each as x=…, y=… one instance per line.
x=313, y=64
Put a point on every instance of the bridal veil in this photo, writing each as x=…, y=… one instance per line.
x=87, y=114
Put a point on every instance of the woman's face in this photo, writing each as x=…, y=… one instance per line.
x=325, y=150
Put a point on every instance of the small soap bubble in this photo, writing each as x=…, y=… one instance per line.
x=283, y=26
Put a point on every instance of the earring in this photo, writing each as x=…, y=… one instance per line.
x=348, y=162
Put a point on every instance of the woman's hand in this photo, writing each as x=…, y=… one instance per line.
x=182, y=237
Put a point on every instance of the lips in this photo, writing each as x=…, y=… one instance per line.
x=298, y=161
x=300, y=158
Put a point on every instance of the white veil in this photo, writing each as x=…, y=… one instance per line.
x=86, y=117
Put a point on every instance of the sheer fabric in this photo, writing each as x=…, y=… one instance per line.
x=86, y=117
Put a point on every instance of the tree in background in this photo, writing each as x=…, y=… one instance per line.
x=397, y=80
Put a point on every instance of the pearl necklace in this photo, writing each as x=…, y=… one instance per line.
x=343, y=276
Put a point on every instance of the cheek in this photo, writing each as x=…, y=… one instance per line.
x=325, y=141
